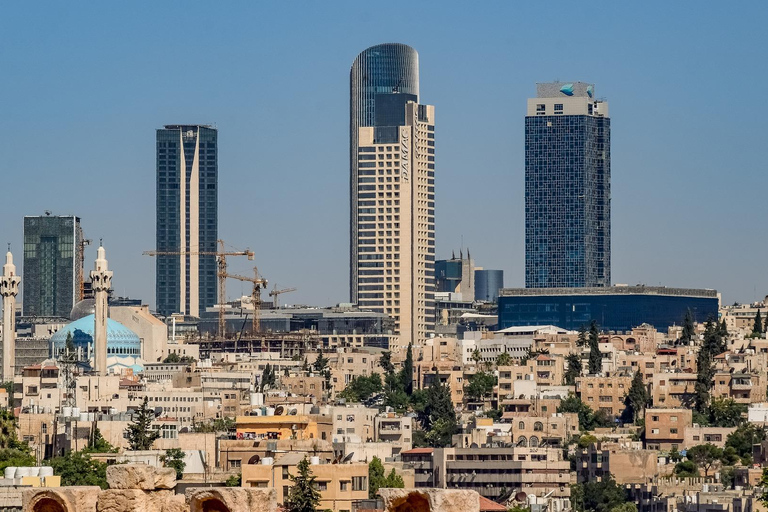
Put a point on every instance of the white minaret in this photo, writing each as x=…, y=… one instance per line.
x=9, y=288
x=101, y=281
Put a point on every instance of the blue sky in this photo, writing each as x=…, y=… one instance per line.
x=84, y=86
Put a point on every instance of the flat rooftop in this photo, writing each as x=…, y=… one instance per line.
x=609, y=290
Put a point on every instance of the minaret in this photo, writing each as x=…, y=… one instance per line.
x=101, y=281
x=9, y=288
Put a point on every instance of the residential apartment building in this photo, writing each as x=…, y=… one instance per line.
x=604, y=393
x=665, y=428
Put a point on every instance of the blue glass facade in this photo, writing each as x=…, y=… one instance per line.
x=176, y=149
x=567, y=201
x=487, y=284
x=51, y=271
x=612, y=311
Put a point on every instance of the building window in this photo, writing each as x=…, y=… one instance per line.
x=343, y=486
x=359, y=483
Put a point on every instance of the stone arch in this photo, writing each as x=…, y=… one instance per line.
x=522, y=441
x=414, y=502
x=212, y=505
x=521, y=425
x=47, y=504
x=534, y=442
x=538, y=426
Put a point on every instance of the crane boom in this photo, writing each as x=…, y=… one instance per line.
x=258, y=285
x=221, y=257
x=275, y=293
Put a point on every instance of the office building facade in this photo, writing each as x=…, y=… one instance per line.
x=52, y=269
x=392, y=202
x=567, y=188
x=187, y=218
x=488, y=282
x=615, y=308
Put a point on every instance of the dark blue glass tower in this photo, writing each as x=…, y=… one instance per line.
x=187, y=218
x=382, y=80
x=567, y=188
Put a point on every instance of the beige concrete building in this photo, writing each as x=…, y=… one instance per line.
x=152, y=332
x=394, y=430
x=393, y=237
x=673, y=389
x=627, y=465
x=696, y=434
x=665, y=428
x=604, y=393
x=339, y=484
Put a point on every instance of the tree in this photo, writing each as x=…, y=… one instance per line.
x=141, y=435
x=637, y=397
x=686, y=469
x=688, y=328
x=480, y=386
x=362, y=387
x=8, y=437
x=598, y=496
x=303, y=496
x=77, y=468
x=377, y=479
x=757, y=327
x=234, y=480
x=573, y=360
x=674, y=455
x=588, y=420
x=586, y=441
x=476, y=357
x=704, y=456
x=764, y=485
x=97, y=443
x=504, y=359
x=268, y=378
x=595, y=357
x=726, y=412
x=16, y=457
x=438, y=416
x=625, y=507
x=385, y=361
x=582, y=339
x=742, y=439
x=321, y=362
x=406, y=373
x=174, y=458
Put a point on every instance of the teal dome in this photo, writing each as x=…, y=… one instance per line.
x=121, y=341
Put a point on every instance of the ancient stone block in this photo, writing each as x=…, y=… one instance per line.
x=60, y=499
x=430, y=500
x=231, y=499
x=140, y=476
x=132, y=500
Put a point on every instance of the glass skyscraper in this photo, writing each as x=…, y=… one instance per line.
x=52, y=272
x=392, y=187
x=567, y=188
x=187, y=218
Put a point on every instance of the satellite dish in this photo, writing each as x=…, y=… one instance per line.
x=293, y=412
x=348, y=457
x=158, y=411
x=279, y=410
x=521, y=497
x=474, y=445
x=254, y=460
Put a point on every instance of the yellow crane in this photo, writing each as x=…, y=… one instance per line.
x=81, y=256
x=275, y=293
x=258, y=285
x=221, y=259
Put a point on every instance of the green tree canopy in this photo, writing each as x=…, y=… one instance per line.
x=573, y=361
x=406, y=373
x=742, y=439
x=174, y=458
x=141, y=435
x=77, y=468
x=595, y=357
x=438, y=416
x=321, y=362
x=378, y=479
x=303, y=496
x=385, y=361
x=504, y=359
x=97, y=443
x=637, y=397
x=757, y=327
x=726, y=412
x=480, y=386
x=686, y=469
x=588, y=419
x=604, y=495
x=688, y=328
x=362, y=387
x=704, y=456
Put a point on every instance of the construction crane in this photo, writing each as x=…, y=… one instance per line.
x=275, y=293
x=258, y=285
x=221, y=264
x=81, y=255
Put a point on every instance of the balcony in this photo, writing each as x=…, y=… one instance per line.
x=741, y=384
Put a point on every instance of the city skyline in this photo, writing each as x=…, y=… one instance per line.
x=664, y=173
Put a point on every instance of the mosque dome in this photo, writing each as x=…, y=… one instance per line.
x=83, y=308
x=121, y=341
